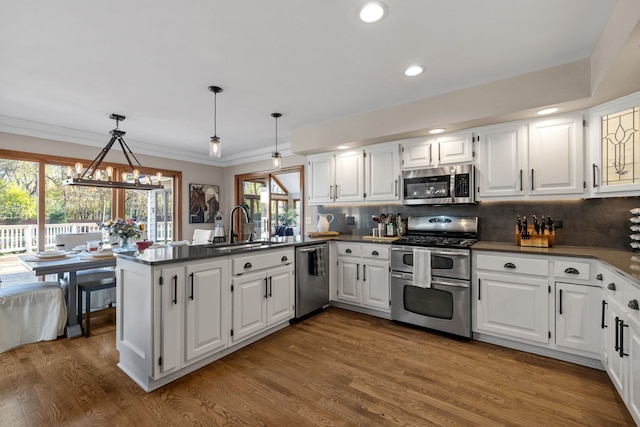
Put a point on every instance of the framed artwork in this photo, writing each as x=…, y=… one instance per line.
x=204, y=202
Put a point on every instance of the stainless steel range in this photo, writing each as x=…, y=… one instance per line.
x=431, y=273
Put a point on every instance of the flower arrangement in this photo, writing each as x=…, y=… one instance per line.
x=123, y=228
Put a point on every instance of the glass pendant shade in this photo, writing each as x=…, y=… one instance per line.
x=276, y=158
x=215, y=150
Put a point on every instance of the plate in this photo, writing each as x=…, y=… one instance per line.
x=80, y=248
x=99, y=255
x=50, y=255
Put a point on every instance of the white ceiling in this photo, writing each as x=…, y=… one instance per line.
x=71, y=63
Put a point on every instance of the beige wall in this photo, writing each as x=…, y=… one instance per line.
x=191, y=172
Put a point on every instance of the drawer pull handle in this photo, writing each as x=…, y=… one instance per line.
x=633, y=304
x=510, y=265
x=599, y=276
x=284, y=259
x=375, y=253
x=248, y=265
x=571, y=270
x=348, y=251
x=611, y=286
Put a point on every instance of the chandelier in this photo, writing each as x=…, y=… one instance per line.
x=93, y=176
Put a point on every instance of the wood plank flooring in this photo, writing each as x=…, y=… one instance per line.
x=337, y=368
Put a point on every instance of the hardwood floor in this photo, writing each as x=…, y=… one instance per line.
x=336, y=368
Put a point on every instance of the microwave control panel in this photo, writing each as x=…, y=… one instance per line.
x=462, y=185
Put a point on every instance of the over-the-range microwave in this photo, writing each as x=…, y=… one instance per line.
x=447, y=185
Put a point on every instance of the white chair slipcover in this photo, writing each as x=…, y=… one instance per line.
x=30, y=313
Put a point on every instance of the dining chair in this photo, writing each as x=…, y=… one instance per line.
x=103, y=298
x=202, y=236
x=31, y=312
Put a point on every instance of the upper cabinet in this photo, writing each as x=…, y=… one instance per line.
x=614, y=148
x=372, y=174
x=432, y=151
x=541, y=159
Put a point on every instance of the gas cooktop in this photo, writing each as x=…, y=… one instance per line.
x=451, y=242
x=441, y=231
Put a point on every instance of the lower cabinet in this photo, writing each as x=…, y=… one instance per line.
x=577, y=323
x=363, y=275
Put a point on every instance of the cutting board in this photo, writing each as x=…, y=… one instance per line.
x=323, y=233
x=384, y=239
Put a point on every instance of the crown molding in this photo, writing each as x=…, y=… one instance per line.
x=75, y=136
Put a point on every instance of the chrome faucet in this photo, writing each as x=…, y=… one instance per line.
x=232, y=234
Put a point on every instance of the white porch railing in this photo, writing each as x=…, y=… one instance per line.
x=24, y=238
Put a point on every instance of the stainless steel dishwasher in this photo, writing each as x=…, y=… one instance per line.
x=312, y=278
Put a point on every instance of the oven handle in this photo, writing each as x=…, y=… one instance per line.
x=435, y=284
x=403, y=276
x=438, y=252
x=401, y=249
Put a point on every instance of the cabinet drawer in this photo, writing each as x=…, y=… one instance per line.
x=257, y=261
x=632, y=300
x=376, y=251
x=349, y=249
x=572, y=270
x=511, y=264
x=614, y=285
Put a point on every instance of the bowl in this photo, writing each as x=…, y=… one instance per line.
x=144, y=244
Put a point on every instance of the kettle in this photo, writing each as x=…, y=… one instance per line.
x=323, y=222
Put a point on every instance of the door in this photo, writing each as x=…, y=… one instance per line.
x=375, y=284
x=321, y=178
x=249, y=295
x=556, y=156
x=513, y=306
x=349, y=280
x=349, y=185
x=616, y=364
x=382, y=171
x=418, y=153
x=280, y=303
x=501, y=161
x=205, y=313
x=171, y=303
x=455, y=148
x=578, y=321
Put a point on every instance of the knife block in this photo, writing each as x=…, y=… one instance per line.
x=536, y=240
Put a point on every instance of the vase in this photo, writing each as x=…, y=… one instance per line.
x=124, y=243
x=323, y=222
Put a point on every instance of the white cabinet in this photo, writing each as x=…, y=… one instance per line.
x=382, y=173
x=192, y=316
x=434, y=151
x=614, y=148
x=556, y=156
x=363, y=275
x=262, y=292
x=502, y=161
x=336, y=177
x=577, y=324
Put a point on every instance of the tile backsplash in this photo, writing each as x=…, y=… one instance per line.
x=592, y=222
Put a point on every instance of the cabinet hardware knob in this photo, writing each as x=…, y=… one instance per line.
x=599, y=276
x=248, y=265
x=571, y=270
x=633, y=304
x=375, y=253
x=348, y=251
x=284, y=259
x=510, y=265
x=611, y=286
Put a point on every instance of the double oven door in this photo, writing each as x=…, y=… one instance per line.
x=445, y=305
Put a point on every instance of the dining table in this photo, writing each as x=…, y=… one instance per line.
x=68, y=265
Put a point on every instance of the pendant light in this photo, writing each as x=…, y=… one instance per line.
x=276, y=158
x=94, y=177
x=214, y=146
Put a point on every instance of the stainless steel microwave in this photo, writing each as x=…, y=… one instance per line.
x=447, y=185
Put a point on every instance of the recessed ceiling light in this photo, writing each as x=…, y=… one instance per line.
x=372, y=11
x=547, y=111
x=414, y=70
x=438, y=130
x=342, y=147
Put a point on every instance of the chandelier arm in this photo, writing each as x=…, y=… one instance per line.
x=125, y=149
x=95, y=164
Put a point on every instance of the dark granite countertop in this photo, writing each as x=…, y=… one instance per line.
x=626, y=263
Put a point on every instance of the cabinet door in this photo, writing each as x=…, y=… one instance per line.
x=171, y=304
x=349, y=184
x=349, y=280
x=320, y=179
x=616, y=365
x=418, y=153
x=578, y=309
x=556, y=156
x=382, y=174
x=455, y=148
x=375, y=284
x=501, y=161
x=513, y=306
x=281, y=294
x=633, y=360
x=205, y=314
x=249, y=295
